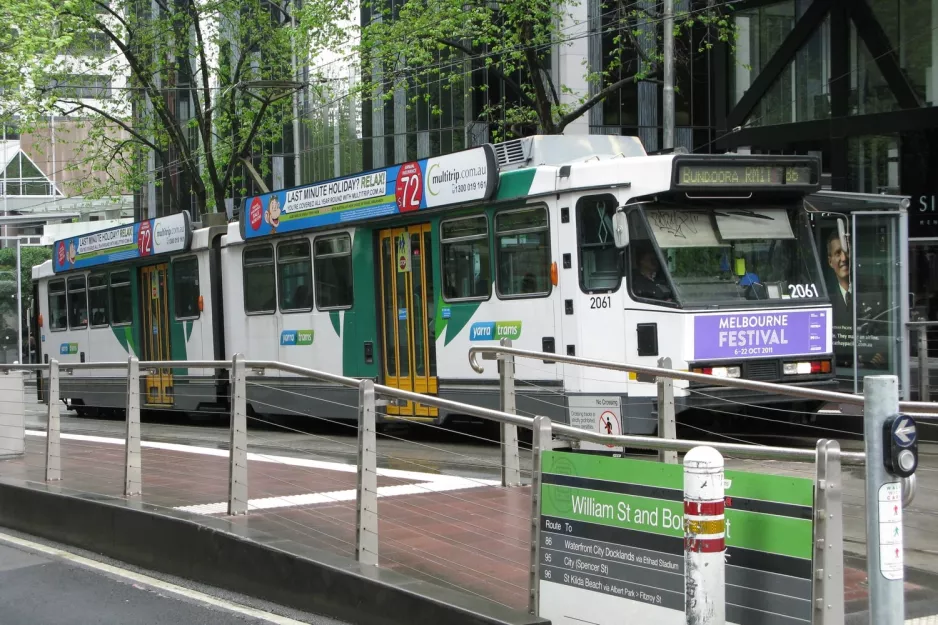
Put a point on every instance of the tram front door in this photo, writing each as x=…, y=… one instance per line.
x=154, y=294
x=407, y=316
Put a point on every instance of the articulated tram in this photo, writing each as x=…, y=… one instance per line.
x=585, y=246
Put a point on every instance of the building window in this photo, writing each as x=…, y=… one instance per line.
x=122, y=309
x=466, y=258
x=58, y=308
x=873, y=164
x=599, y=256
x=522, y=245
x=295, y=276
x=334, y=272
x=260, y=289
x=97, y=299
x=77, y=303
x=89, y=42
x=82, y=86
x=186, y=287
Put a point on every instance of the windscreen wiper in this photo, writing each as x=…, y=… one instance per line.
x=745, y=213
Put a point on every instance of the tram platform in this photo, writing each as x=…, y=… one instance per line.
x=466, y=537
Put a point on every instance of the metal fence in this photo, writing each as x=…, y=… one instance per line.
x=921, y=365
x=826, y=458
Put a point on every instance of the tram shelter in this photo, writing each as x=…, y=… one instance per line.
x=862, y=241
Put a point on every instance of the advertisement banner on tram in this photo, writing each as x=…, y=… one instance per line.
x=458, y=178
x=162, y=235
x=775, y=333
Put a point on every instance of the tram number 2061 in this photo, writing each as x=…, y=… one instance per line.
x=603, y=301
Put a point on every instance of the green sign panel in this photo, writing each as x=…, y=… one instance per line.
x=612, y=543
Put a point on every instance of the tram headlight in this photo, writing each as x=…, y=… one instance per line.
x=720, y=372
x=806, y=368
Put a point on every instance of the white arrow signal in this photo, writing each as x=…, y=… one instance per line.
x=905, y=432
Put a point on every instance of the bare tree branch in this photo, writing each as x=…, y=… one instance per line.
x=81, y=105
x=604, y=93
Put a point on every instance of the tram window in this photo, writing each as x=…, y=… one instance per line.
x=186, y=287
x=334, y=272
x=467, y=273
x=97, y=299
x=295, y=276
x=599, y=257
x=522, y=245
x=647, y=280
x=58, y=309
x=77, y=303
x=122, y=308
x=260, y=290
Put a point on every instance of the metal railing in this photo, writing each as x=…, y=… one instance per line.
x=827, y=456
x=920, y=329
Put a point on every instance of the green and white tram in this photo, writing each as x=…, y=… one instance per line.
x=579, y=245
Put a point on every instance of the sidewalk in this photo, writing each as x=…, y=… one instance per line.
x=461, y=533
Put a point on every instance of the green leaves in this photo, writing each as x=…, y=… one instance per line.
x=179, y=78
x=482, y=42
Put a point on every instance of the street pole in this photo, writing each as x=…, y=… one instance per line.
x=296, y=106
x=19, y=302
x=884, y=549
x=668, y=89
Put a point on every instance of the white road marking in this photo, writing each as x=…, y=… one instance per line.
x=309, y=499
x=426, y=482
x=924, y=620
x=150, y=581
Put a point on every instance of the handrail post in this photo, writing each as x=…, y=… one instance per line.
x=132, y=461
x=366, y=513
x=540, y=442
x=923, y=382
x=667, y=427
x=53, y=426
x=828, y=536
x=238, y=452
x=511, y=462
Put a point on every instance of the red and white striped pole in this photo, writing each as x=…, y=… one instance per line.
x=704, y=538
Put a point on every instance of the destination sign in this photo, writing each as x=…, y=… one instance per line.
x=162, y=235
x=611, y=543
x=466, y=176
x=744, y=175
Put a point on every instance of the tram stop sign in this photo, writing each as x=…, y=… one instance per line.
x=900, y=445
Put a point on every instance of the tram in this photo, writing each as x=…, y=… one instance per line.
x=585, y=246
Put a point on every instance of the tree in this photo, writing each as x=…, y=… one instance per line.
x=424, y=41
x=201, y=86
x=29, y=258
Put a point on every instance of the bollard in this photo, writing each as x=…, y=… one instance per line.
x=511, y=461
x=884, y=548
x=704, y=538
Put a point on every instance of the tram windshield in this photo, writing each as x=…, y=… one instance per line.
x=730, y=254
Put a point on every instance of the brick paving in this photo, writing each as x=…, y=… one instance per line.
x=456, y=532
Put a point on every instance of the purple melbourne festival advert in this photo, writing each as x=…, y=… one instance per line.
x=787, y=333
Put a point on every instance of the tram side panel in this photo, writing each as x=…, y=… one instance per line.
x=77, y=326
x=191, y=320
x=305, y=301
x=520, y=302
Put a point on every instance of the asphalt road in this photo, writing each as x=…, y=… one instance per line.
x=46, y=584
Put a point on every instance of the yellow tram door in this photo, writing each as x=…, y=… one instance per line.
x=154, y=293
x=407, y=316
